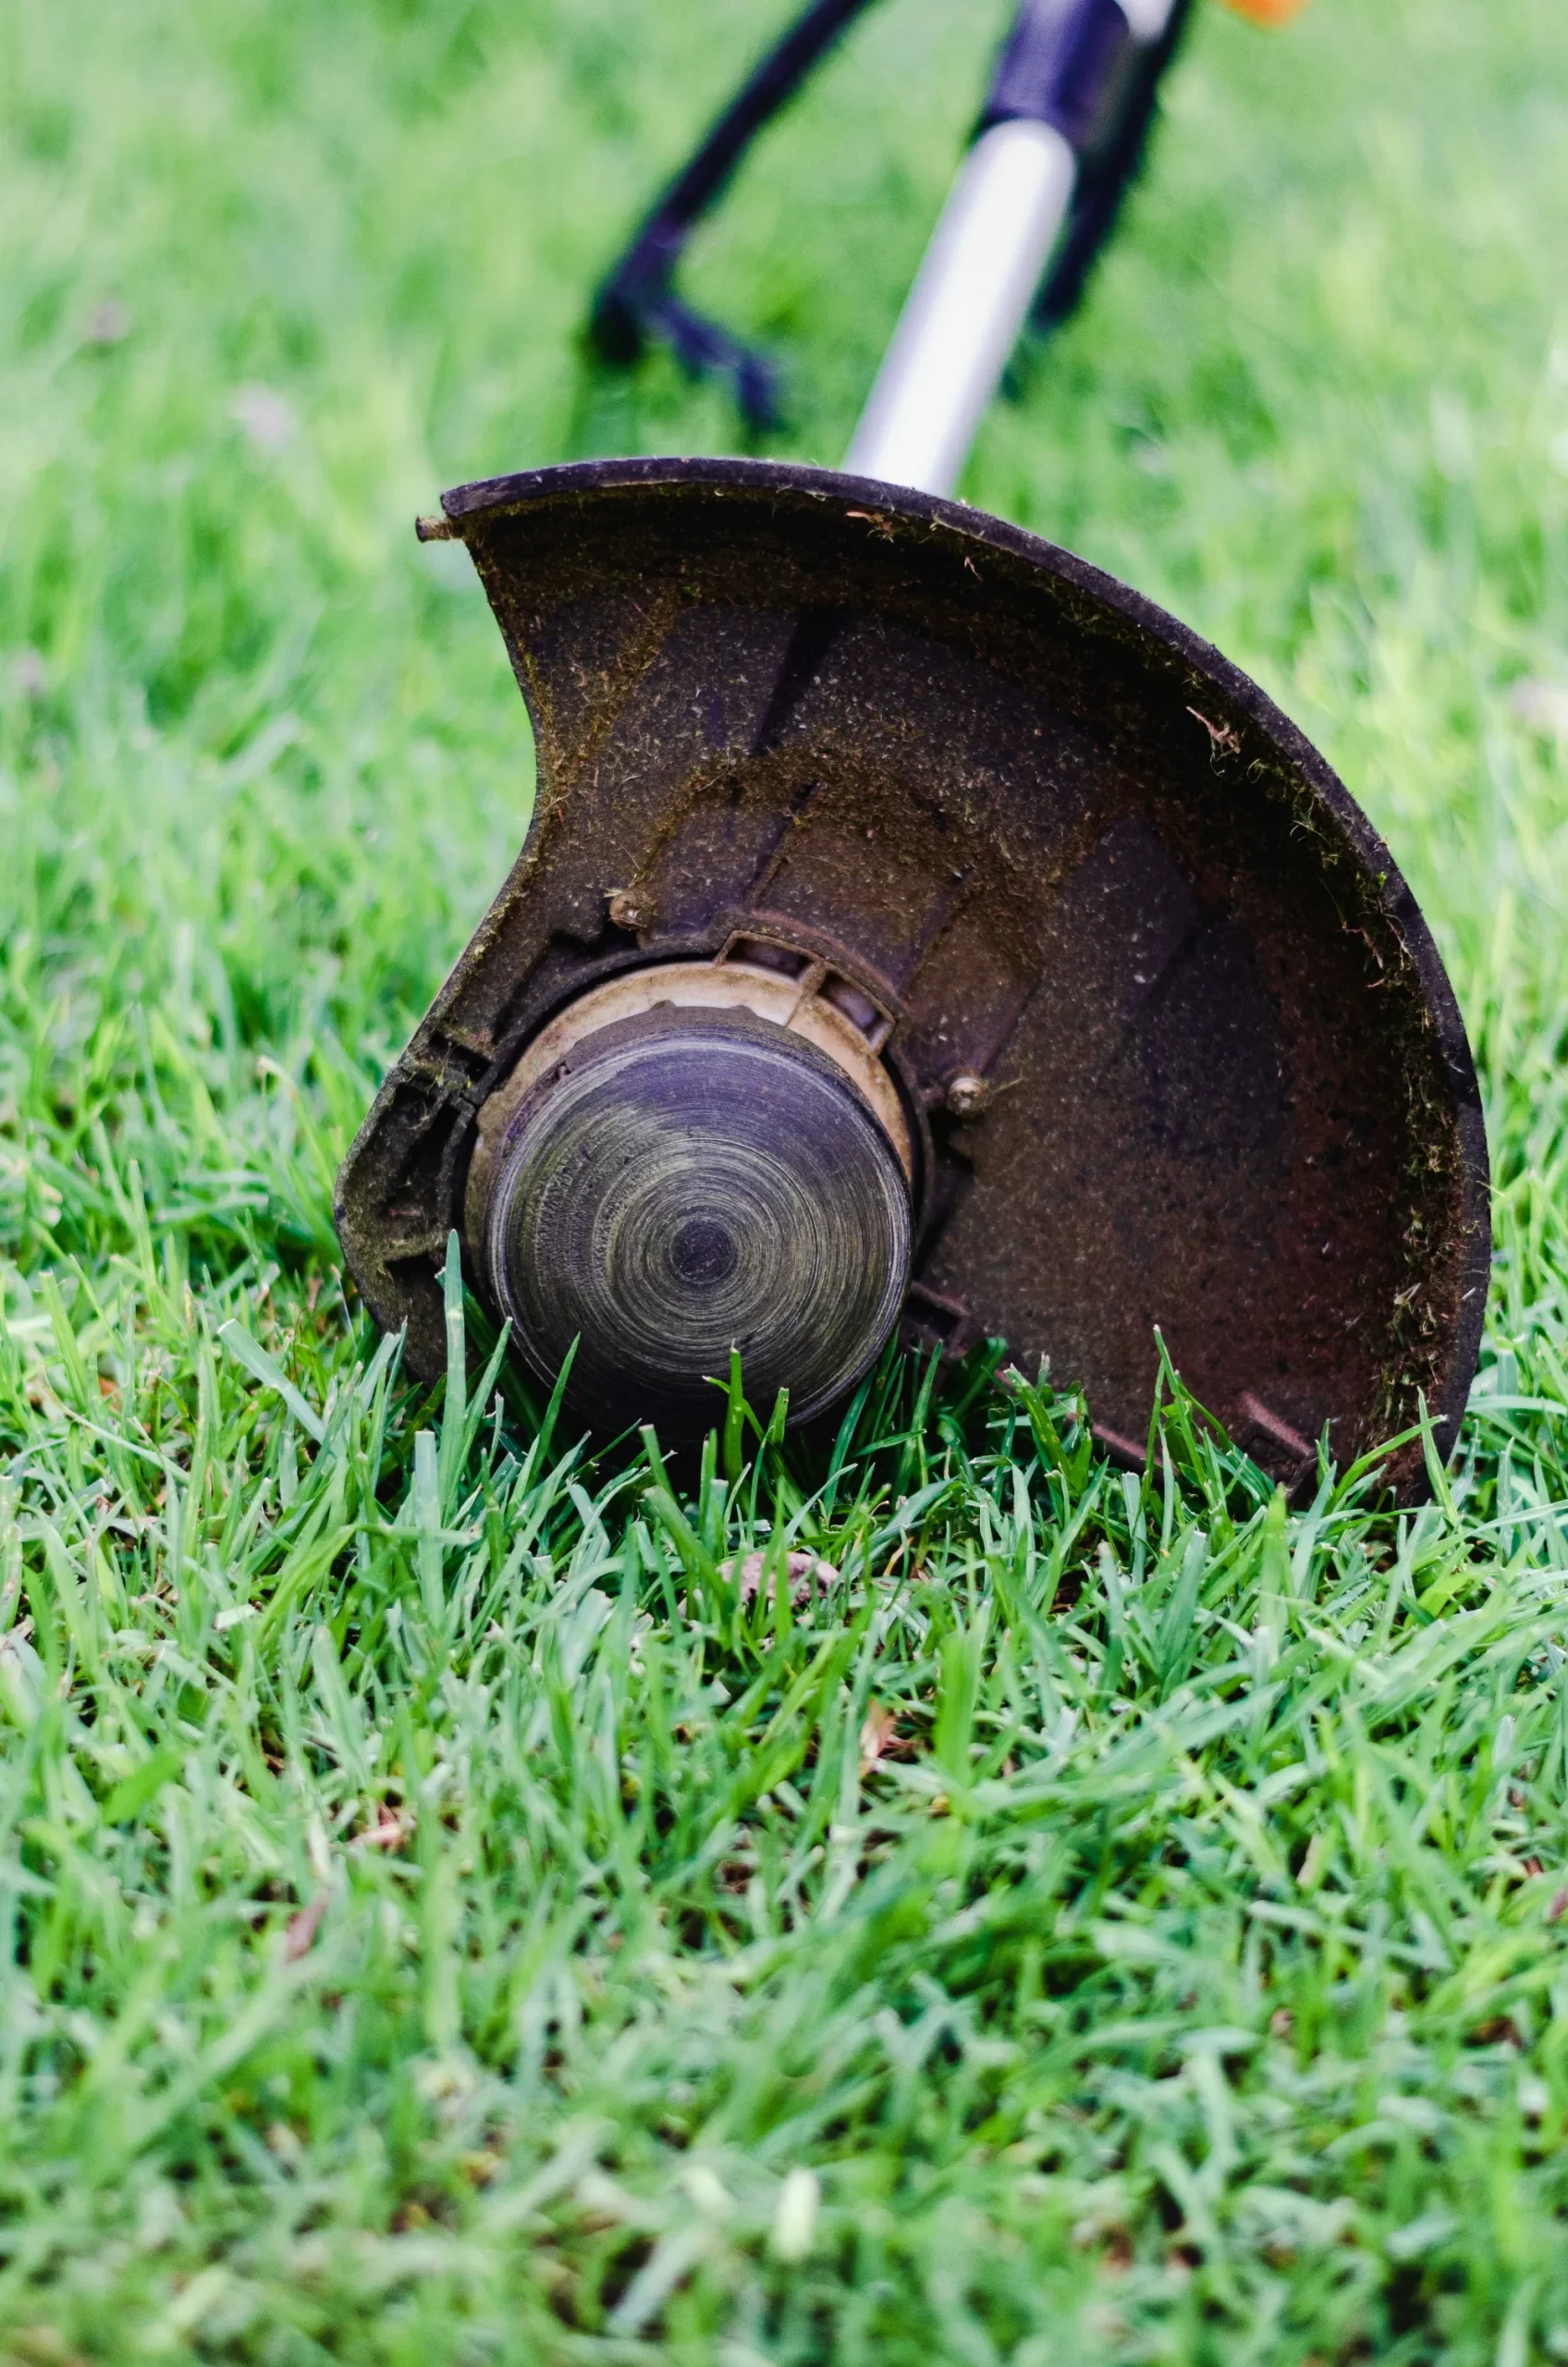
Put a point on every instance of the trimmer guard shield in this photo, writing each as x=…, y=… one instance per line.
x=1067, y=851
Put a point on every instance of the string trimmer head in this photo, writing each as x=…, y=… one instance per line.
x=918, y=928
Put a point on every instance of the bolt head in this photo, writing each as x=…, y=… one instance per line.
x=968, y=1094
x=629, y=910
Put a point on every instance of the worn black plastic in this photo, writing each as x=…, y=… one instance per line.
x=1175, y=1045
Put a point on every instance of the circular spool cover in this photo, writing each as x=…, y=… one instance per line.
x=688, y=1183
x=1175, y=1041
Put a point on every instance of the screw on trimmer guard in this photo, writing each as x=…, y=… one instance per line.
x=918, y=929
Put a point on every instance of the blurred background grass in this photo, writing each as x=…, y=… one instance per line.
x=276, y=274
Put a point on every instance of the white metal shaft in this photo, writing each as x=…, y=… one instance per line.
x=969, y=303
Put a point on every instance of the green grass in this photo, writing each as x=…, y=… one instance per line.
x=443, y=1923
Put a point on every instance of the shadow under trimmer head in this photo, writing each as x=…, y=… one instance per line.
x=918, y=928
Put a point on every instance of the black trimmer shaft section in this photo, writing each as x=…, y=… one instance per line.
x=637, y=298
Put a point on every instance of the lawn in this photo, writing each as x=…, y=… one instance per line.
x=443, y=1920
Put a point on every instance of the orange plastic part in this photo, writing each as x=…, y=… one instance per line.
x=1268, y=12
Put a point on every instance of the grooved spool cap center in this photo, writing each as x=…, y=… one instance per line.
x=687, y=1183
